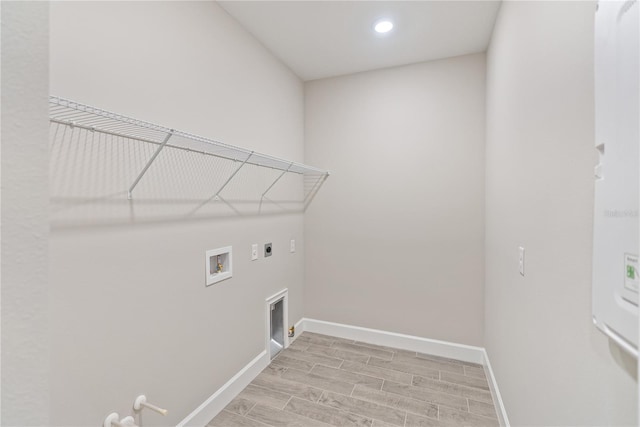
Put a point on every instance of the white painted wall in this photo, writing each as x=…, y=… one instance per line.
x=552, y=365
x=395, y=239
x=25, y=154
x=130, y=313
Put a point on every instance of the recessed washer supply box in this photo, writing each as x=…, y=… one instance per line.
x=615, y=225
x=219, y=265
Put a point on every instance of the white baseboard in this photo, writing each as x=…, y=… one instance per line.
x=451, y=350
x=495, y=392
x=462, y=352
x=299, y=328
x=225, y=394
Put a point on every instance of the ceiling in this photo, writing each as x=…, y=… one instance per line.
x=319, y=39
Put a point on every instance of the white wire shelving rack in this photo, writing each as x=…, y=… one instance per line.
x=75, y=114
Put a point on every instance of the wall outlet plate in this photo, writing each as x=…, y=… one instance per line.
x=292, y=246
x=268, y=250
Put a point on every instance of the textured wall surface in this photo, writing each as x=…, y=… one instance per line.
x=395, y=238
x=552, y=365
x=25, y=156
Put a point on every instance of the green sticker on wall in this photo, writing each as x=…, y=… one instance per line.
x=631, y=272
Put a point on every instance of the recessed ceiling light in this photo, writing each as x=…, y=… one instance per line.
x=383, y=27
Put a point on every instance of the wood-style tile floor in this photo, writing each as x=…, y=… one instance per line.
x=321, y=380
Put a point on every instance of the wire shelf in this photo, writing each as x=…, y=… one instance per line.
x=75, y=114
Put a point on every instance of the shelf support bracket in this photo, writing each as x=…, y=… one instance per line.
x=146, y=167
x=276, y=181
x=216, y=197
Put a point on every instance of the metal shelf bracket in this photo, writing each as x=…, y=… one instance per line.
x=276, y=180
x=217, y=195
x=146, y=167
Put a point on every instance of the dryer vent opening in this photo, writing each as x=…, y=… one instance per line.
x=276, y=342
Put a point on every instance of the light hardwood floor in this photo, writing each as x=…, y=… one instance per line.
x=321, y=380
